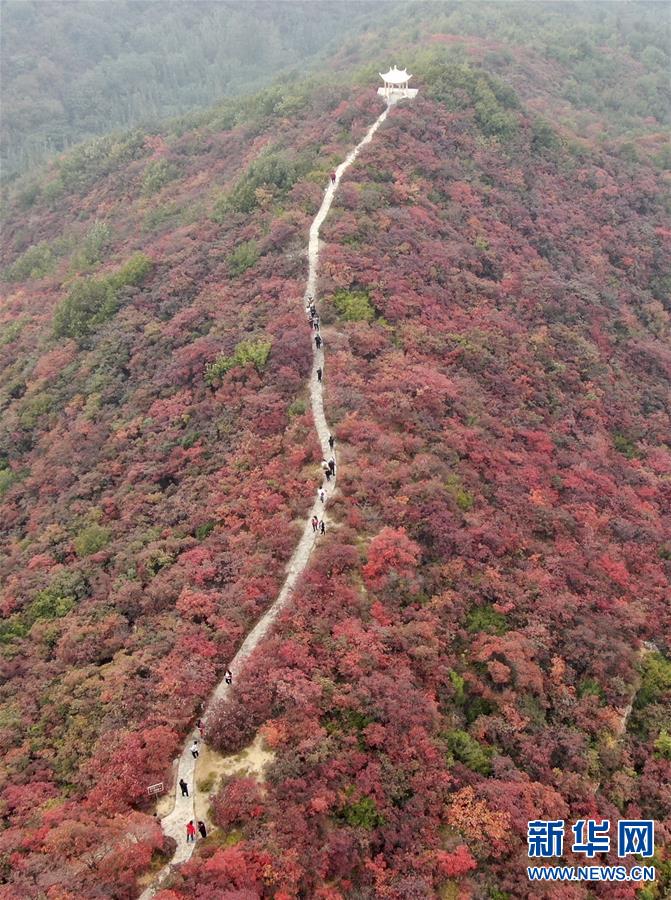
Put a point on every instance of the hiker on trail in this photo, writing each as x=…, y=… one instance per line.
x=318, y=341
x=333, y=177
x=332, y=466
x=331, y=441
x=184, y=787
x=194, y=750
x=315, y=520
x=315, y=323
x=228, y=676
x=322, y=497
x=322, y=527
x=202, y=829
x=190, y=831
x=327, y=473
x=319, y=375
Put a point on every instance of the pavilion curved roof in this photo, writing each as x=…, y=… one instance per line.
x=395, y=76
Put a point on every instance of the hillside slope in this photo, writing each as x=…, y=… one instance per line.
x=458, y=657
x=149, y=503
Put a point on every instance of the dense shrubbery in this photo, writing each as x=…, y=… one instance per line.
x=460, y=655
x=156, y=175
x=254, y=353
x=461, y=87
x=272, y=173
x=92, y=301
x=354, y=306
x=243, y=257
x=36, y=262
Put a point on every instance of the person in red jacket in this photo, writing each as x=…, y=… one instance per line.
x=333, y=177
x=190, y=831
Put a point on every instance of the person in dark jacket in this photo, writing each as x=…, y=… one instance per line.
x=319, y=374
x=331, y=441
x=322, y=527
x=202, y=829
x=318, y=341
x=228, y=676
x=332, y=466
x=184, y=787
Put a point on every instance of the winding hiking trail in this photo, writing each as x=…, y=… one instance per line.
x=174, y=824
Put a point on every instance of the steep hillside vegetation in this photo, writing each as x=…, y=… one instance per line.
x=459, y=657
x=156, y=456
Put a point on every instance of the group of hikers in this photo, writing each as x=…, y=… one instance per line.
x=328, y=468
x=318, y=526
x=329, y=472
x=313, y=318
x=191, y=824
x=191, y=830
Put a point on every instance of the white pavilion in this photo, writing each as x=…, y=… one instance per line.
x=396, y=85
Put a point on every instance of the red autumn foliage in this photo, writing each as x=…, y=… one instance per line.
x=458, y=655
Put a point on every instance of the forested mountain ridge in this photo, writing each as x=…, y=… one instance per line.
x=74, y=70
x=459, y=656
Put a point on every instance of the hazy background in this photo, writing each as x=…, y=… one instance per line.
x=73, y=70
x=76, y=69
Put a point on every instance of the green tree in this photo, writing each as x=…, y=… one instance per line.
x=36, y=262
x=362, y=814
x=246, y=353
x=92, y=301
x=157, y=174
x=7, y=479
x=89, y=303
x=354, y=306
x=470, y=752
x=97, y=240
x=133, y=272
x=484, y=618
x=243, y=257
x=91, y=539
x=67, y=588
x=273, y=171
